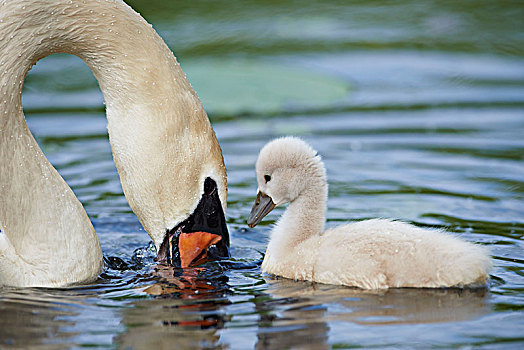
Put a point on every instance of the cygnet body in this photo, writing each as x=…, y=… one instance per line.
x=370, y=254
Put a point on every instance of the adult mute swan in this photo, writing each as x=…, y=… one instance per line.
x=166, y=152
x=370, y=254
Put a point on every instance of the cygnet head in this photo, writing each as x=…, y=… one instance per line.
x=285, y=168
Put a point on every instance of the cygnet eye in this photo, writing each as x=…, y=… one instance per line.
x=267, y=178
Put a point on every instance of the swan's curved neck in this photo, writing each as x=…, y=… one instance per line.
x=304, y=217
x=155, y=119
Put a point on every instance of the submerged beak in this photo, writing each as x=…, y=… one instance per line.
x=201, y=237
x=262, y=206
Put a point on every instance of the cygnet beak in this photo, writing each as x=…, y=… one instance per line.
x=262, y=206
x=201, y=237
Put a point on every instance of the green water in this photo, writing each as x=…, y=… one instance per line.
x=418, y=111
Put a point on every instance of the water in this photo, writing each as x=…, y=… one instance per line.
x=418, y=111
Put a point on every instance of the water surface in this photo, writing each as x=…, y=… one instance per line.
x=418, y=111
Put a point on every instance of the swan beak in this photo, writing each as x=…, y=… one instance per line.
x=193, y=247
x=262, y=206
x=202, y=236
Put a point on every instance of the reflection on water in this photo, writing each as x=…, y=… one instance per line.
x=192, y=309
x=185, y=310
x=395, y=306
x=299, y=313
x=418, y=111
x=30, y=318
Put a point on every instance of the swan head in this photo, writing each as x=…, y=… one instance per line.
x=201, y=236
x=173, y=176
x=285, y=168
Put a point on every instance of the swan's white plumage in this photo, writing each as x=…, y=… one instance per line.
x=157, y=127
x=370, y=254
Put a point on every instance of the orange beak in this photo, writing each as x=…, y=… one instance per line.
x=193, y=247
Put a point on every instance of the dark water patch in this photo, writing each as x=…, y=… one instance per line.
x=384, y=189
x=370, y=107
x=92, y=183
x=284, y=47
x=400, y=131
x=108, y=195
x=513, y=153
x=506, y=185
x=65, y=138
x=495, y=82
x=513, y=260
x=67, y=111
x=514, y=230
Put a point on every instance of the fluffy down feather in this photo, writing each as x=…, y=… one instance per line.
x=370, y=254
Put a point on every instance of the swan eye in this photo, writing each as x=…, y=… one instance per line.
x=267, y=178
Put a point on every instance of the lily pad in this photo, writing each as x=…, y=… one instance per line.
x=231, y=87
